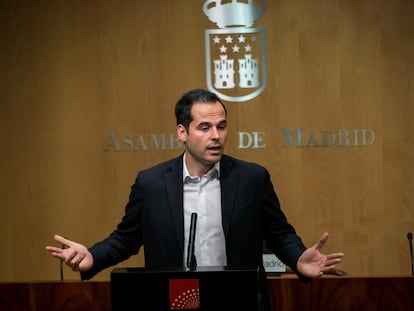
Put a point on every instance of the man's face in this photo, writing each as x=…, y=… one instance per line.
x=207, y=134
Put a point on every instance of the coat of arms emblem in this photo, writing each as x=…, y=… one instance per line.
x=235, y=51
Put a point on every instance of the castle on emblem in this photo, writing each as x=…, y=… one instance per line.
x=248, y=68
x=234, y=13
x=224, y=73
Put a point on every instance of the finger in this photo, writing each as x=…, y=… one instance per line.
x=330, y=269
x=58, y=256
x=335, y=255
x=53, y=249
x=322, y=241
x=77, y=260
x=69, y=258
x=333, y=262
x=56, y=252
x=62, y=240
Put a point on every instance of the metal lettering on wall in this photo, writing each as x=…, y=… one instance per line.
x=235, y=53
x=289, y=138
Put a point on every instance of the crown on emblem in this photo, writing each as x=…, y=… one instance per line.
x=234, y=13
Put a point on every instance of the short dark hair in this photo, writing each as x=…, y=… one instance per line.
x=185, y=103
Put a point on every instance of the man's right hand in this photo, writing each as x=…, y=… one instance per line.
x=74, y=255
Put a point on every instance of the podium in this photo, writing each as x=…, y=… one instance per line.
x=204, y=289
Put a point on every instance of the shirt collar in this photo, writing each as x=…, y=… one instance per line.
x=213, y=173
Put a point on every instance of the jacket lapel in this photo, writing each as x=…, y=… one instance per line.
x=228, y=183
x=174, y=185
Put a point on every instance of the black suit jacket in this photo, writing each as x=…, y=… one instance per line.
x=154, y=219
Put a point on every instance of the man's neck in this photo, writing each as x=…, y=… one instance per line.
x=196, y=169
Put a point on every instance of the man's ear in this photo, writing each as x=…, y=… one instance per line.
x=182, y=133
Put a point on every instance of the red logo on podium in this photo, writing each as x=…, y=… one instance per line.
x=184, y=294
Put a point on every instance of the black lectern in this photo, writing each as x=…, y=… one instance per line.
x=204, y=289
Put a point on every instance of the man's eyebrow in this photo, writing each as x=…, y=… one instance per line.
x=210, y=123
x=204, y=123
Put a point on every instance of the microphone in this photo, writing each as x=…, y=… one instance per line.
x=410, y=242
x=191, y=258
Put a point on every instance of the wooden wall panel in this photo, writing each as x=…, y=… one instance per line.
x=75, y=72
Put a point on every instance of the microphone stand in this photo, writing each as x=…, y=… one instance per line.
x=410, y=242
x=191, y=258
x=61, y=267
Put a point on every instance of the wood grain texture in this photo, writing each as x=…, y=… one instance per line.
x=355, y=293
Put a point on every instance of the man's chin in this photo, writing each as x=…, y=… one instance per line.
x=213, y=158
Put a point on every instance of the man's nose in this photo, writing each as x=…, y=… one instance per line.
x=214, y=133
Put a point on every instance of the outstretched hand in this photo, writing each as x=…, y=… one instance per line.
x=312, y=263
x=75, y=255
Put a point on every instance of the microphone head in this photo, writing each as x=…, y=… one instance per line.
x=410, y=235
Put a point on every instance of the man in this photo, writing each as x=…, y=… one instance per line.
x=235, y=201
